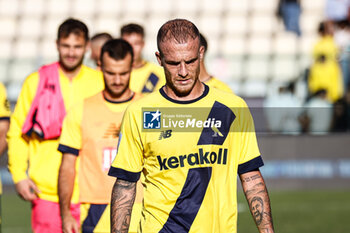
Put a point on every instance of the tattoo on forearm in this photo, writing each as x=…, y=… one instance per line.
x=257, y=206
x=123, y=197
x=259, y=202
x=251, y=178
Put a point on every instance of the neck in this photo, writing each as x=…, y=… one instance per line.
x=70, y=74
x=196, y=92
x=118, y=98
x=203, y=74
x=138, y=63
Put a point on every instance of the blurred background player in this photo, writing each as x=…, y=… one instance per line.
x=96, y=43
x=146, y=77
x=4, y=126
x=91, y=132
x=325, y=72
x=204, y=76
x=45, y=96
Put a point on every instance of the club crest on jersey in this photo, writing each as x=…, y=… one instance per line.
x=151, y=119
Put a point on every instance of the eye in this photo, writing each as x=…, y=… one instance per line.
x=191, y=61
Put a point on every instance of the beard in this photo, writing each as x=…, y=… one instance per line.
x=181, y=92
x=70, y=68
x=115, y=94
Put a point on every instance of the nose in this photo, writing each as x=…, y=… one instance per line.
x=117, y=79
x=183, y=72
x=71, y=52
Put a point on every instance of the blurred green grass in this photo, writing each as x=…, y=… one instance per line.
x=320, y=211
x=15, y=214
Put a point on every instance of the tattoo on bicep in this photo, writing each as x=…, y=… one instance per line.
x=123, y=196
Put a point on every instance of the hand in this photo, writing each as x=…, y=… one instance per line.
x=69, y=224
x=27, y=190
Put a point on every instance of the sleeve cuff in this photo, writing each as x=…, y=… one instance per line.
x=124, y=175
x=4, y=118
x=67, y=149
x=19, y=177
x=250, y=165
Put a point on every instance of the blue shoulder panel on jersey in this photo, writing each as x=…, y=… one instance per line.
x=124, y=175
x=94, y=214
x=217, y=135
x=190, y=200
x=250, y=165
x=67, y=149
x=154, y=80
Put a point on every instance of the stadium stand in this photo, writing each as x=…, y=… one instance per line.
x=249, y=48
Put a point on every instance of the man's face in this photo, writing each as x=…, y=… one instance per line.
x=71, y=51
x=181, y=64
x=137, y=43
x=257, y=210
x=116, y=74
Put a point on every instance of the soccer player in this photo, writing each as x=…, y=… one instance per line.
x=190, y=167
x=36, y=124
x=204, y=76
x=4, y=126
x=146, y=77
x=90, y=132
x=96, y=43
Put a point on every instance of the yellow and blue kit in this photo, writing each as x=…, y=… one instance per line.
x=189, y=153
x=216, y=83
x=148, y=78
x=5, y=111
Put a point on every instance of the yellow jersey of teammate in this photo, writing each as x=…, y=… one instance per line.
x=4, y=111
x=90, y=130
x=148, y=78
x=42, y=155
x=190, y=153
x=216, y=83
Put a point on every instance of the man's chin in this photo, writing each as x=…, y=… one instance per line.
x=182, y=91
x=70, y=67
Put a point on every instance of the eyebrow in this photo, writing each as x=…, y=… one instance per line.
x=170, y=62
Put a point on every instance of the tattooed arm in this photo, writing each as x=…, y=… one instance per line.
x=123, y=197
x=258, y=199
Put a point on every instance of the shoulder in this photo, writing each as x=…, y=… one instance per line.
x=214, y=82
x=141, y=101
x=153, y=67
x=91, y=72
x=228, y=98
x=2, y=89
x=32, y=78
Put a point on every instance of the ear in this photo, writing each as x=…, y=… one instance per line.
x=159, y=59
x=201, y=52
x=88, y=45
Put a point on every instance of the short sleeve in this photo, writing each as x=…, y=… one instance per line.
x=249, y=158
x=71, y=139
x=128, y=162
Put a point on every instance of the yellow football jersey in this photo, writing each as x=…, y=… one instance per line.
x=90, y=130
x=39, y=159
x=4, y=104
x=216, y=83
x=4, y=111
x=148, y=78
x=189, y=153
